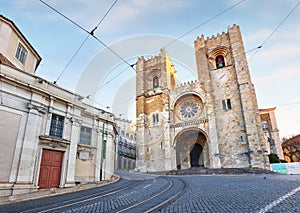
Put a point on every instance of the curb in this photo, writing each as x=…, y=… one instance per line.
x=54, y=191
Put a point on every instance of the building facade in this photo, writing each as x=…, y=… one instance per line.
x=126, y=148
x=212, y=122
x=50, y=137
x=271, y=132
x=291, y=149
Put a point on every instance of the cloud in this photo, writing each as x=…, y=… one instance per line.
x=283, y=74
x=88, y=13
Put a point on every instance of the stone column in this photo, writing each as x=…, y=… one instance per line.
x=98, y=154
x=168, y=147
x=213, y=141
x=25, y=173
x=48, y=121
x=109, y=155
x=71, y=163
x=140, y=142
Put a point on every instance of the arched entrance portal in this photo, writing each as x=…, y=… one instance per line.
x=189, y=149
x=195, y=155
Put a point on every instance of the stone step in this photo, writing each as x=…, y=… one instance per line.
x=221, y=171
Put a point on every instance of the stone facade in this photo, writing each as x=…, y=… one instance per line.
x=212, y=122
x=271, y=132
x=50, y=137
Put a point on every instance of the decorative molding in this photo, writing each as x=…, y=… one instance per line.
x=54, y=142
x=85, y=152
x=40, y=109
x=75, y=121
x=189, y=123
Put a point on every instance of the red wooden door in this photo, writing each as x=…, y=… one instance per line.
x=50, y=170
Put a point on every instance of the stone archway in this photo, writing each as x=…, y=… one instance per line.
x=195, y=155
x=189, y=149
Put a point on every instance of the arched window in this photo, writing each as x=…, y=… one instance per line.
x=172, y=80
x=155, y=82
x=220, y=62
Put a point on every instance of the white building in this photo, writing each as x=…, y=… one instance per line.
x=126, y=148
x=50, y=137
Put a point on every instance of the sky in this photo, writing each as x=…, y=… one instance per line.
x=133, y=28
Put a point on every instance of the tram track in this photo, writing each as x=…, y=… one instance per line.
x=126, y=195
x=170, y=199
x=114, y=188
x=157, y=201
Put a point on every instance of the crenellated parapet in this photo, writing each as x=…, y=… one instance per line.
x=217, y=40
x=154, y=61
x=189, y=83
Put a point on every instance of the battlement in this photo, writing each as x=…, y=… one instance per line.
x=189, y=83
x=219, y=38
x=153, y=60
x=161, y=53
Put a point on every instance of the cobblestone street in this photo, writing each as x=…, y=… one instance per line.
x=185, y=193
x=237, y=194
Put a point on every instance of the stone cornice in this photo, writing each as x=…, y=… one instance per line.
x=54, y=139
x=40, y=109
x=189, y=123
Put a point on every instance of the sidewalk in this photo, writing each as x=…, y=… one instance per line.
x=41, y=193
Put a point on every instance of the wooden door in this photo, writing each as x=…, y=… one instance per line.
x=50, y=170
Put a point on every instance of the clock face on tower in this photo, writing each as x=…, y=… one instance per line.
x=189, y=107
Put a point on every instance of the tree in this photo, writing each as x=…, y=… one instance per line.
x=273, y=158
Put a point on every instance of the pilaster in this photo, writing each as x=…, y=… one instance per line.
x=71, y=166
x=26, y=167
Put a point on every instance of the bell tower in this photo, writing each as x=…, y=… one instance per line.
x=234, y=121
x=155, y=77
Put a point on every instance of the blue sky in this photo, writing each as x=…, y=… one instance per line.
x=139, y=27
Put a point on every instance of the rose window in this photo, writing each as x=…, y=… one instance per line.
x=189, y=109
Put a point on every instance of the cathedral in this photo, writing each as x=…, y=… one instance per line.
x=212, y=122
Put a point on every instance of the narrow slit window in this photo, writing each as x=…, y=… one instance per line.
x=155, y=118
x=226, y=104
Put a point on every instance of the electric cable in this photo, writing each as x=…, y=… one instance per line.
x=272, y=33
x=91, y=33
x=205, y=22
x=176, y=39
x=70, y=61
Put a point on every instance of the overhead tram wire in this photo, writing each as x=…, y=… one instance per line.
x=176, y=39
x=70, y=61
x=92, y=32
x=289, y=104
x=272, y=33
x=110, y=80
x=205, y=22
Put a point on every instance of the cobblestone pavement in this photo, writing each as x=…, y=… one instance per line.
x=193, y=193
x=252, y=193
